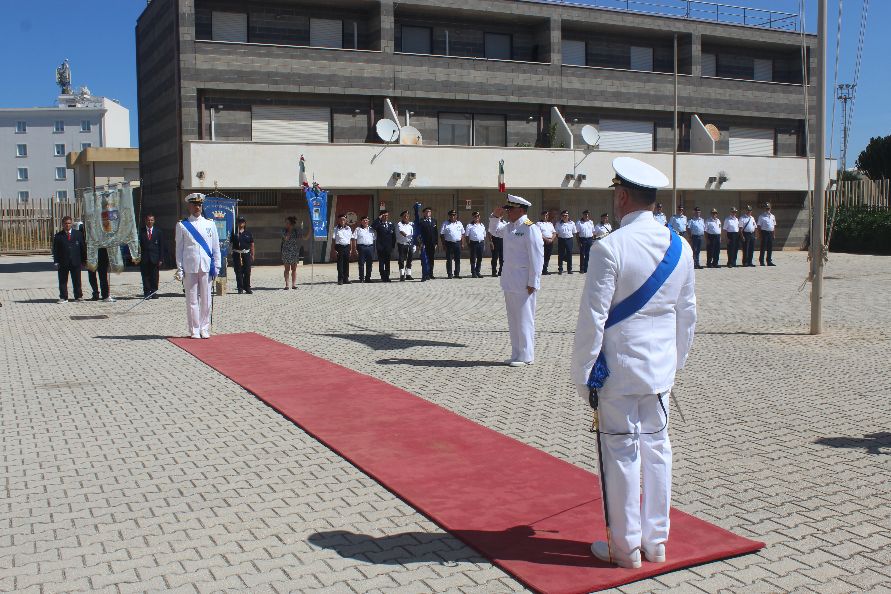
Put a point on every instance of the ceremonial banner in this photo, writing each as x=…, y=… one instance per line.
x=317, y=201
x=222, y=212
x=109, y=222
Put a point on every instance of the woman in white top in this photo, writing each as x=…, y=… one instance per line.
x=405, y=235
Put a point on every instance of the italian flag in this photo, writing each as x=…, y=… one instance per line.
x=302, y=167
x=501, y=186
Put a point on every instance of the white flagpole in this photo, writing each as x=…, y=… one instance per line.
x=818, y=224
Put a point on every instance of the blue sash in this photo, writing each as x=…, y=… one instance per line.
x=635, y=302
x=203, y=243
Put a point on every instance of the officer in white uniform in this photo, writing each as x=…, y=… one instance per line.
x=767, y=223
x=547, y=234
x=678, y=222
x=659, y=215
x=642, y=352
x=521, y=279
x=603, y=228
x=196, y=267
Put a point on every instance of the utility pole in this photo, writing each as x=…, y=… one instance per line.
x=674, y=151
x=818, y=225
x=845, y=94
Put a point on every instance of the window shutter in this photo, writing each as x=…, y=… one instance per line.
x=574, y=53
x=642, y=58
x=764, y=70
x=326, y=33
x=752, y=141
x=229, y=26
x=294, y=125
x=416, y=40
x=626, y=135
x=498, y=46
x=709, y=65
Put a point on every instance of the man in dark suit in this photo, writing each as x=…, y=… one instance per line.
x=429, y=238
x=151, y=246
x=385, y=241
x=68, y=246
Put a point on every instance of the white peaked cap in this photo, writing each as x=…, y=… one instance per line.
x=517, y=201
x=637, y=173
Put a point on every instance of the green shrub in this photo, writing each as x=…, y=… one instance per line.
x=861, y=230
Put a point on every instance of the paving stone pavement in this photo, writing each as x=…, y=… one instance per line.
x=129, y=466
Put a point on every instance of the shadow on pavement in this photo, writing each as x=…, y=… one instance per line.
x=12, y=267
x=744, y=333
x=440, y=363
x=35, y=301
x=873, y=443
x=517, y=543
x=134, y=337
x=389, y=342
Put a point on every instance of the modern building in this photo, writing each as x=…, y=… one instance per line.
x=232, y=94
x=96, y=167
x=35, y=141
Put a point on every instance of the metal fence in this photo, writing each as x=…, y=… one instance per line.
x=864, y=192
x=28, y=227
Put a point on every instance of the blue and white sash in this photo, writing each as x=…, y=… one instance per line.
x=635, y=302
x=203, y=243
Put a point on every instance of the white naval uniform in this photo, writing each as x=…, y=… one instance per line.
x=194, y=263
x=642, y=353
x=497, y=227
x=523, y=261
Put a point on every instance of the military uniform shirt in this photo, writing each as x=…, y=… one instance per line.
x=452, y=231
x=696, y=225
x=565, y=230
x=601, y=230
x=767, y=222
x=497, y=227
x=660, y=218
x=679, y=224
x=713, y=226
x=731, y=224
x=547, y=229
x=408, y=229
x=475, y=232
x=364, y=235
x=585, y=228
x=342, y=235
x=747, y=224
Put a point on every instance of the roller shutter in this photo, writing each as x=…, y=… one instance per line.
x=626, y=135
x=752, y=141
x=290, y=124
x=574, y=53
x=709, y=65
x=326, y=33
x=229, y=26
x=642, y=58
x=764, y=70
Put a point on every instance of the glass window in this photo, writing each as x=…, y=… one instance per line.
x=498, y=46
x=574, y=53
x=59, y=126
x=417, y=40
x=61, y=195
x=455, y=128
x=24, y=195
x=85, y=126
x=489, y=130
x=61, y=173
x=85, y=145
x=59, y=150
x=21, y=127
x=22, y=174
x=21, y=150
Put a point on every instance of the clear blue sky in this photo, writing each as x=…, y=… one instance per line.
x=97, y=36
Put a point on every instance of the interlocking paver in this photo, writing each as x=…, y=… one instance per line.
x=129, y=465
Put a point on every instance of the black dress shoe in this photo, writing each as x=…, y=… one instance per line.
x=771, y=264
x=457, y=276
x=240, y=291
x=340, y=282
x=248, y=291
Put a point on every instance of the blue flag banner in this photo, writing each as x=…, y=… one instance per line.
x=317, y=202
x=222, y=212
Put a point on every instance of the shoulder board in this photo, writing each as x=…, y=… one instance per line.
x=528, y=222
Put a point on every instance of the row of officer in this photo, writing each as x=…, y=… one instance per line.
x=584, y=229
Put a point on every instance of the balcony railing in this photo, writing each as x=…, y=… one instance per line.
x=700, y=10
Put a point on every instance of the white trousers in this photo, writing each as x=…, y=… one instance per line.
x=521, y=323
x=625, y=457
x=197, y=285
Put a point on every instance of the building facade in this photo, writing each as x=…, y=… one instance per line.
x=34, y=143
x=232, y=94
x=94, y=167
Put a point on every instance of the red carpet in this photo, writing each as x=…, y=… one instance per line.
x=530, y=513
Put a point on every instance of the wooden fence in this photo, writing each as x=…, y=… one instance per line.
x=864, y=192
x=28, y=227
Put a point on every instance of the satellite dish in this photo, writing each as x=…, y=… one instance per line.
x=387, y=130
x=590, y=135
x=713, y=132
x=409, y=135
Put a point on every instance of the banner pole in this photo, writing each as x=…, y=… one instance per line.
x=312, y=257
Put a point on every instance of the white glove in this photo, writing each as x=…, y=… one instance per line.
x=178, y=275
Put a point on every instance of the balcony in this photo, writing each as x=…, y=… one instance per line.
x=246, y=165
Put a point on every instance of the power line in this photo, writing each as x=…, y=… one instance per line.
x=864, y=14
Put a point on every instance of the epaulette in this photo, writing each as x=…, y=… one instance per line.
x=528, y=222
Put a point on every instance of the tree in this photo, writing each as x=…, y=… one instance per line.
x=875, y=160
